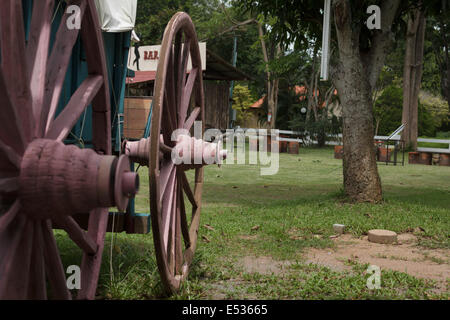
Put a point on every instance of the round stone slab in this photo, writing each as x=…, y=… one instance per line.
x=382, y=236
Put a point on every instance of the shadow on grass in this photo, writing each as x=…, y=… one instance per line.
x=134, y=269
x=436, y=198
x=275, y=195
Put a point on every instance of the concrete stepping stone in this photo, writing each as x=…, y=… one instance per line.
x=382, y=236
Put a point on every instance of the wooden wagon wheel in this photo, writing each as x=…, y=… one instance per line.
x=177, y=92
x=43, y=182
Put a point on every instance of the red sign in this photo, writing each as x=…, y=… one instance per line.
x=151, y=55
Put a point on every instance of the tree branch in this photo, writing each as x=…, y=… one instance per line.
x=232, y=28
x=382, y=41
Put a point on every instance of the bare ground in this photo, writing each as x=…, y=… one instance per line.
x=405, y=256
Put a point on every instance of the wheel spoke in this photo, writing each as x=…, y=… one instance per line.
x=183, y=218
x=79, y=236
x=181, y=68
x=53, y=264
x=164, y=148
x=14, y=272
x=11, y=132
x=9, y=216
x=90, y=265
x=56, y=73
x=37, y=289
x=60, y=128
x=14, y=64
x=167, y=170
x=170, y=94
x=190, y=121
x=172, y=230
x=187, y=188
x=168, y=200
x=37, y=51
x=176, y=66
x=167, y=122
x=187, y=93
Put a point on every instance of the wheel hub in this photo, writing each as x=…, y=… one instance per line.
x=58, y=179
x=196, y=149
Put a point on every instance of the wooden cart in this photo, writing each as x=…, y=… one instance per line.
x=48, y=180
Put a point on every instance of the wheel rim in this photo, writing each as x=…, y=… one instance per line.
x=31, y=151
x=174, y=237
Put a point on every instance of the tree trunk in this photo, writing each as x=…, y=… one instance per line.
x=272, y=84
x=444, y=25
x=310, y=87
x=361, y=179
x=412, y=76
x=355, y=75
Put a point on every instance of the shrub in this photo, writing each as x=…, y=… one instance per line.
x=388, y=112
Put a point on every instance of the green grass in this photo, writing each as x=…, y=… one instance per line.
x=294, y=210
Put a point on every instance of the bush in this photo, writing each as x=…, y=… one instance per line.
x=443, y=134
x=388, y=113
x=388, y=110
x=326, y=128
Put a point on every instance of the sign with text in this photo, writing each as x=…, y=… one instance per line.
x=146, y=58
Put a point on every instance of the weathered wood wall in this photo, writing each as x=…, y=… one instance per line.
x=136, y=110
x=217, y=104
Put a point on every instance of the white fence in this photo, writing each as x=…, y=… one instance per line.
x=335, y=140
x=394, y=137
x=434, y=150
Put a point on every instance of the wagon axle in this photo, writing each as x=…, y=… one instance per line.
x=64, y=180
x=188, y=152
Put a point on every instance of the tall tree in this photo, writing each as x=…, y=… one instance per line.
x=355, y=68
x=270, y=53
x=412, y=74
x=441, y=41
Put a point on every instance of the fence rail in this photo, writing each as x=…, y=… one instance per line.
x=336, y=139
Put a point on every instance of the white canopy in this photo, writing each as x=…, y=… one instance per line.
x=116, y=15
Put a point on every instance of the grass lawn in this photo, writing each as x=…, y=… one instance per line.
x=280, y=217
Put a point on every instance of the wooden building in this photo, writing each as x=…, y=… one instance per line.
x=217, y=78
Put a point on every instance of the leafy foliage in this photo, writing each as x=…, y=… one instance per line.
x=388, y=111
x=242, y=100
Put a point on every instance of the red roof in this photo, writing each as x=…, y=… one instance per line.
x=142, y=76
x=258, y=103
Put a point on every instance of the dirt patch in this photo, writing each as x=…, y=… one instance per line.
x=263, y=265
x=234, y=289
x=404, y=257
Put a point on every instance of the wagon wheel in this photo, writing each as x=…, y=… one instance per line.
x=43, y=182
x=177, y=93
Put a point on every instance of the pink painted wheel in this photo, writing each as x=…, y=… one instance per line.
x=178, y=103
x=44, y=183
